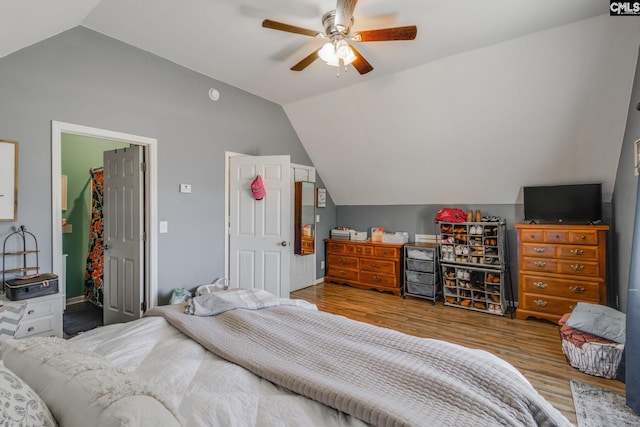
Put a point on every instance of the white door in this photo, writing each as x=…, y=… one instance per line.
x=303, y=268
x=259, y=230
x=123, y=235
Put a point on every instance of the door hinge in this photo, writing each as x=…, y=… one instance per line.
x=143, y=167
x=143, y=306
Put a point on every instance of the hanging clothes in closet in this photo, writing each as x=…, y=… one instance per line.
x=95, y=259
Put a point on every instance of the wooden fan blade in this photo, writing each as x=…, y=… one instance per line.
x=344, y=13
x=386, y=34
x=275, y=25
x=361, y=64
x=306, y=61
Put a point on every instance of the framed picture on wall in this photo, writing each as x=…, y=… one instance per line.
x=321, y=197
x=8, y=180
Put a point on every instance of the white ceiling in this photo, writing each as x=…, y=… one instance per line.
x=491, y=96
x=224, y=39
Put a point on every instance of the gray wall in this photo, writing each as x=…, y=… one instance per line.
x=86, y=78
x=421, y=219
x=625, y=195
x=627, y=217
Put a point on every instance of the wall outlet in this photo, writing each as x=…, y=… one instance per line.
x=321, y=265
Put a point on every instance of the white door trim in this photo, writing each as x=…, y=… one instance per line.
x=227, y=208
x=151, y=195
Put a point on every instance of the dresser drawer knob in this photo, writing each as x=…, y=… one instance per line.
x=376, y=278
x=540, y=285
x=540, y=302
x=577, y=252
x=540, y=250
x=577, y=289
x=540, y=264
x=582, y=237
x=375, y=265
x=342, y=272
x=577, y=267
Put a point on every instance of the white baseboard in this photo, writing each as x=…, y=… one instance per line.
x=77, y=300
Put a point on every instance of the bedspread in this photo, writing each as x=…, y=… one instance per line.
x=378, y=375
x=205, y=390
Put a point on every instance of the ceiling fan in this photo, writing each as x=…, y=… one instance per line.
x=337, y=29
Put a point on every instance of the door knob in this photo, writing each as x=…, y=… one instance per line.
x=106, y=247
x=283, y=243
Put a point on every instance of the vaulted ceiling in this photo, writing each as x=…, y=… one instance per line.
x=490, y=96
x=224, y=39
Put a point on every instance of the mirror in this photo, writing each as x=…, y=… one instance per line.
x=304, y=218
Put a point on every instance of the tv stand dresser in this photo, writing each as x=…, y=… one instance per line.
x=558, y=266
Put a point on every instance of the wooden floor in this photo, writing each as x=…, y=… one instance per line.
x=532, y=346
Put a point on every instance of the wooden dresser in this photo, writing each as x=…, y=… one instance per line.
x=364, y=264
x=558, y=266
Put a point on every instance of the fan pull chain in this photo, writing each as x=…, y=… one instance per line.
x=340, y=64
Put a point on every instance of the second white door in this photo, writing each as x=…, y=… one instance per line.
x=259, y=230
x=123, y=235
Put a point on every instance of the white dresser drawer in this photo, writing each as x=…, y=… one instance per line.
x=41, y=316
x=39, y=308
x=43, y=325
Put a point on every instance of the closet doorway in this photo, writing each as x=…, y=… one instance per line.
x=78, y=150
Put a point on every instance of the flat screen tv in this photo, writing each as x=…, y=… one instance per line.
x=577, y=203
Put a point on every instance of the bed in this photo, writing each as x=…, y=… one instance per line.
x=247, y=358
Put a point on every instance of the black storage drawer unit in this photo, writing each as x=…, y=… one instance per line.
x=421, y=272
x=420, y=289
x=419, y=265
x=419, y=277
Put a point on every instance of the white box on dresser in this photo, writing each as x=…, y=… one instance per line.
x=42, y=316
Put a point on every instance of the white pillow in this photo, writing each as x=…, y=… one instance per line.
x=79, y=385
x=20, y=405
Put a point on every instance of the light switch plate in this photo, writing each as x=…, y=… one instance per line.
x=164, y=227
x=185, y=188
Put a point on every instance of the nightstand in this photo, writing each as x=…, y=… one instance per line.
x=40, y=316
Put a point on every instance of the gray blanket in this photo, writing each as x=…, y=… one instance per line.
x=378, y=375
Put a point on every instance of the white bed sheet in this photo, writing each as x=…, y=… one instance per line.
x=204, y=389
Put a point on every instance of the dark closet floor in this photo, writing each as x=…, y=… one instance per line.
x=81, y=317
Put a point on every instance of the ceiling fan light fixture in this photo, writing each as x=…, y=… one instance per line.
x=333, y=52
